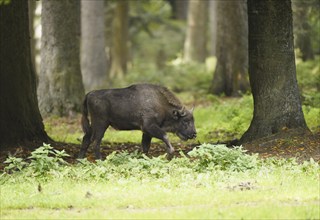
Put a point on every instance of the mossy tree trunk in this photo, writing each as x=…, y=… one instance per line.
x=60, y=90
x=20, y=119
x=94, y=63
x=272, y=70
x=231, y=73
x=196, y=37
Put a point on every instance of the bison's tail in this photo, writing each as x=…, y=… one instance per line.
x=84, y=119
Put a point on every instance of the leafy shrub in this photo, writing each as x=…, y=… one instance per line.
x=209, y=156
x=14, y=164
x=41, y=161
x=206, y=160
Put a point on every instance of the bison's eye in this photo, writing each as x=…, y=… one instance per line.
x=184, y=122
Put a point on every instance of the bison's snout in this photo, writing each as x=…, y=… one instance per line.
x=192, y=136
x=185, y=137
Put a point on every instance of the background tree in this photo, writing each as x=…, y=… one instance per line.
x=109, y=7
x=196, y=38
x=94, y=63
x=302, y=29
x=179, y=9
x=230, y=76
x=60, y=89
x=272, y=70
x=119, y=49
x=19, y=114
x=212, y=27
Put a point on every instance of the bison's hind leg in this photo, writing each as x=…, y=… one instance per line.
x=98, y=128
x=86, y=141
x=146, y=141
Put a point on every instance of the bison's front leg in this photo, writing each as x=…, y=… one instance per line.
x=154, y=130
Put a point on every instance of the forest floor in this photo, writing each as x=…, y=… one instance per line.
x=287, y=144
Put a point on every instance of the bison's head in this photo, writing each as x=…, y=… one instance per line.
x=184, y=124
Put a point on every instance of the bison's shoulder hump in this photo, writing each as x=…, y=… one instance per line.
x=169, y=96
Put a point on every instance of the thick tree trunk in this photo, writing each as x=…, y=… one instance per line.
x=119, y=49
x=60, y=89
x=94, y=63
x=20, y=119
x=272, y=72
x=230, y=76
x=196, y=38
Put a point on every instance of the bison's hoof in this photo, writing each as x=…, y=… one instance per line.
x=169, y=156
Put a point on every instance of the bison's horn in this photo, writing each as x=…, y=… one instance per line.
x=182, y=112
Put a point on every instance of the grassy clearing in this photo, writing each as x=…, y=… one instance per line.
x=213, y=182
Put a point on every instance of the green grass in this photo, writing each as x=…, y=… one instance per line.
x=273, y=197
x=127, y=186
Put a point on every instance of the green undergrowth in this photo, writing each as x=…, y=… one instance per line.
x=212, y=181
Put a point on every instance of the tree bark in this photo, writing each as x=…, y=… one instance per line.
x=119, y=49
x=230, y=76
x=60, y=89
x=31, y=8
x=272, y=71
x=20, y=119
x=94, y=63
x=196, y=38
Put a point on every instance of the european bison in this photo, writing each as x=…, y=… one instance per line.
x=150, y=108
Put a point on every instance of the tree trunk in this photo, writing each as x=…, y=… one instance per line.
x=230, y=75
x=60, y=89
x=109, y=8
x=179, y=9
x=302, y=29
x=119, y=49
x=94, y=63
x=272, y=71
x=31, y=8
x=20, y=119
x=196, y=38
x=213, y=27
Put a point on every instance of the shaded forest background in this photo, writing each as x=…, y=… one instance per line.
x=199, y=46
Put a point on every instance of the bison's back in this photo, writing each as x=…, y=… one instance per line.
x=156, y=93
